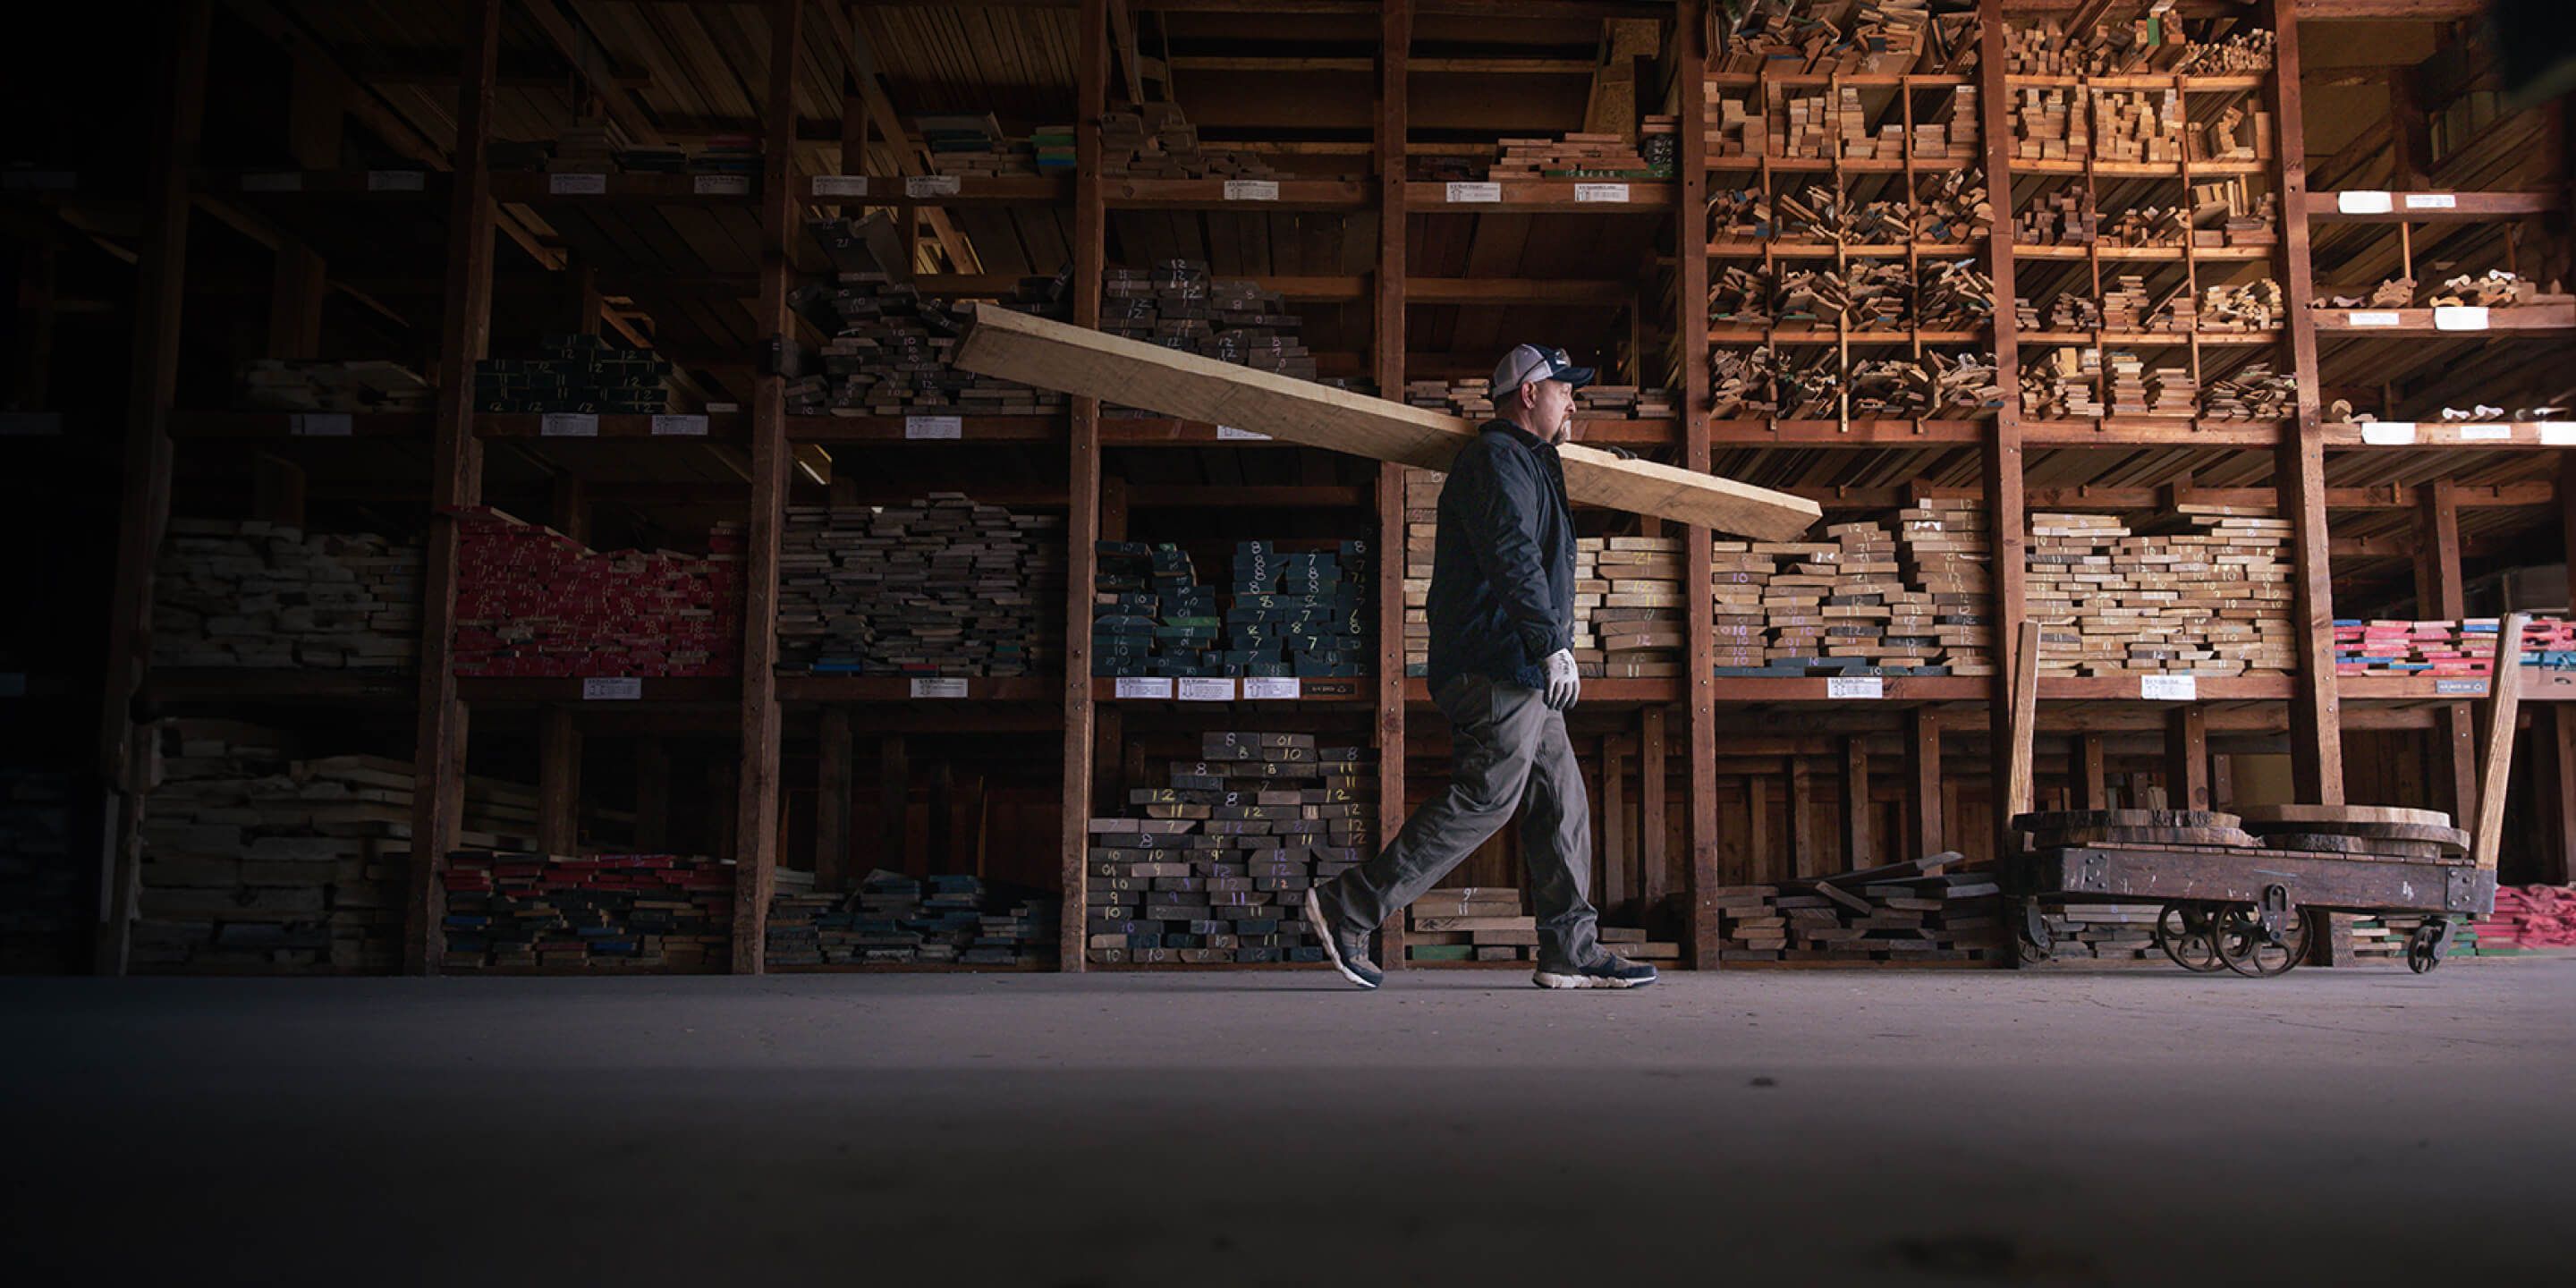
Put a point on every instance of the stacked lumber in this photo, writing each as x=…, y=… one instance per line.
x=2527, y=917
x=2401, y=647
x=1155, y=141
x=1299, y=613
x=1916, y=911
x=2149, y=42
x=44, y=917
x=891, y=349
x=1758, y=382
x=2252, y=392
x=519, y=910
x=2048, y=125
x=2133, y=126
x=2103, y=932
x=2064, y=217
x=1735, y=127
x=575, y=373
x=892, y=919
x=1742, y=383
x=1149, y=614
x=257, y=594
x=1470, y=924
x=300, y=384
x=2233, y=136
x=942, y=586
x=1577, y=155
x=591, y=145
x=1212, y=865
x=2206, y=591
x=1659, y=143
x=974, y=145
x=2061, y=383
x=2248, y=306
x=2245, y=52
x=1177, y=305
x=532, y=601
x=1628, y=615
x=1876, y=37
x=1858, y=605
x=1952, y=207
x=1473, y=399
x=1956, y=295
x=2547, y=642
x=1945, y=552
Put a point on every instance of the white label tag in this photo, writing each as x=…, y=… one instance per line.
x=1271, y=686
x=320, y=424
x=840, y=185
x=1585, y=193
x=1475, y=192
x=577, y=185
x=930, y=185
x=930, y=688
x=2388, y=433
x=2432, y=201
x=2460, y=317
x=13, y=684
x=612, y=688
x=1251, y=190
x=2486, y=433
x=568, y=424
x=395, y=180
x=1199, y=688
x=933, y=427
x=1144, y=686
x=1228, y=433
x=722, y=185
x=2370, y=319
x=31, y=424
x=2169, y=688
x=2469, y=688
x=1855, y=686
x=274, y=181
x=2558, y=433
x=2362, y=203
x=673, y=426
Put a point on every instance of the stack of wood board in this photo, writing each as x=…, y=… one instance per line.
x=1575, y=156
x=1300, y=612
x=1945, y=547
x=251, y=593
x=1177, y=305
x=2206, y=592
x=1852, y=606
x=1735, y=127
x=2252, y=392
x=1421, y=538
x=1154, y=141
x=531, y=601
x=893, y=919
x=2402, y=647
x=575, y=373
x=2061, y=383
x=1906, y=912
x=1628, y=606
x=942, y=586
x=1473, y=399
x=44, y=922
x=2063, y=217
x=2133, y=126
x=2249, y=306
x=1150, y=616
x=1212, y=865
x=296, y=384
x=2103, y=932
x=970, y=144
x=518, y=910
x=890, y=349
x=1470, y=924
x=1873, y=37
x=2147, y=42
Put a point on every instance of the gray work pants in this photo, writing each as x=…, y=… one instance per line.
x=1502, y=740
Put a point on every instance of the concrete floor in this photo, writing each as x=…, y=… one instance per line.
x=2129, y=1127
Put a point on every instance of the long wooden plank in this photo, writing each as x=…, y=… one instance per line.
x=2503, y=704
x=2008, y=717
x=2020, y=721
x=1056, y=355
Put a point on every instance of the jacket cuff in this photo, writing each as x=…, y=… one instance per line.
x=1537, y=642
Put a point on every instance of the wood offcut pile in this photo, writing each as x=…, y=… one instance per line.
x=2146, y=43
x=940, y=587
x=1155, y=141
x=44, y=918
x=2058, y=123
x=1486, y=924
x=1916, y=911
x=532, y=601
x=258, y=594
x=1473, y=399
x=297, y=384
x=1951, y=209
x=890, y=351
x=1876, y=37
x=1760, y=382
x=1628, y=602
x=2204, y=591
x=954, y=919
x=1212, y=865
x=2067, y=382
x=518, y=910
x=1868, y=602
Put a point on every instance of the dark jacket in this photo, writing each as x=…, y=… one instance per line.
x=1502, y=568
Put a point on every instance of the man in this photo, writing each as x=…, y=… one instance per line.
x=1502, y=670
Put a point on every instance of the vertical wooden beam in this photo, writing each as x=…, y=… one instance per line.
x=894, y=803
x=652, y=795
x=1802, y=820
x=2442, y=595
x=558, y=782
x=1690, y=293
x=1757, y=827
x=2187, y=757
x=1924, y=815
x=2495, y=769
x=1614, y=826
x=2002, y=462
x=456, y=480
x=1855, y=789
x=1655, y=868
x=2092, y=782
x=1082, y=478
x=2316, y=717
x=832, y=783
x=1394, y=112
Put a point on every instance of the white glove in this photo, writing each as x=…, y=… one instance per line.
x=1563, y=685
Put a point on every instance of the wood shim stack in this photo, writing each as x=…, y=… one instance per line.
x=2207, y=593
x=532, y=601
x=256, y=594
x=1154, y=141
x=44, y=918
x=940, y=587
x=892, y=919
x=519, y=910
x=890, y=349
x=1864, y=603
x=1177, y=305
x=1905, y=912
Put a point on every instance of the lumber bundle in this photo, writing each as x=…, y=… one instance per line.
x=1212, y=865
x=892, y=347
x=519, y=910
x=1877, y=37
x=532, y=601
x=1290, y=614
x=44, y=916
x=2064, y=217
x=1155, y=141
x=1577, y=155
x=255, y=594
x=299, y=384
x=974, y=145
x=2252, y=392
x=1628, y=612
x=1470, y=924
x=1916, y=911
x=575, y=373
x=1473, y=399
x=942, y=586
x=2447, y=648
x=1177, y=305
x=2205, y=591
x=2063, y=382
x=956, y=919
x=1864, y=603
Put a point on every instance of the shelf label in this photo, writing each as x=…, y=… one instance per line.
x=1586, y=193
x=2466, y=688
x=320, y=424
x=1855, y=686
x=2485, y=433
x=31, y=424
x=840, y=185
x=925, y=687
x=2388, y=433
x=612, y=688
x=1144, y=686
x=1475, y=192
x=2360, y=318
x=395, y=180
x=2363, y=203
x=1270, y=686
x=679, y=426
x=2558, y=433
x=1199, y=688
x=1228, y=433
x=577, y=185
x=930, y=185
x=568, y=424
x=13, y=684
x=933, y=427
x=2169, y=688
x=273, y=181
x=2460, y=317
x=2432, y=201
x=721, y=185
x=1251, y=190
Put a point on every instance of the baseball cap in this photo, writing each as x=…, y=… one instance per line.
x=1529, y=362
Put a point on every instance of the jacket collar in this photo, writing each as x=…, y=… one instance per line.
x=1520, y=435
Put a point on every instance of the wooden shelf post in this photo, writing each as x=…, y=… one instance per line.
x=1082, y=482
x=1395, y=45
x=1690, y=293
x=2003, y=465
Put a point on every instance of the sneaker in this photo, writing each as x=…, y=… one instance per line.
x=1347, y=952
x=1610, y=971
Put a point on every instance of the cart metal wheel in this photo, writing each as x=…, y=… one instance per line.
x=2183, y=932
x=2031, y=934
x=2424, y=947
x=2237, y=934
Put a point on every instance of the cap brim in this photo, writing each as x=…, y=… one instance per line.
x=1575, y=376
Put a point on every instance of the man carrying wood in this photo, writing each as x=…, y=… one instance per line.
x=1502, y=671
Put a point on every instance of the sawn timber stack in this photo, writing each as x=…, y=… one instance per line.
x=1076, y=360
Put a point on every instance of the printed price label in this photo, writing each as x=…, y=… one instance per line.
x=1585, y=193
x=1144, y=686
x=930, y=688
x=568, y=424
x=933, y=427
x=1270, y=686
x=1855, y=686
x=2362, y=203
x=320, y=424
x=276, y=181
x=2460, y=317
x=722, y=185
x=2431, y=201
x=2390, y=433
x=2169, y=688
x=31, y=424
x=2558, y=433
x=2486, y=433
x=1251, y=190
x=1197, y=688
x=1475, y=192
x=2358, y=318
x=840, y=185
x=675, y=426
x=1228, y=433
x=930, y=185
x=2465, y=688
x=396, y=180
x=612, y=688
x=577, y=185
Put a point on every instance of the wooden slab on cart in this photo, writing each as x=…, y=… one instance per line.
x=1077, y=360
x=2343, y=814
x=2359, y=846
x=2450, y=838
x=2060, y=820
x=2261, y=852
x=2219, y=837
